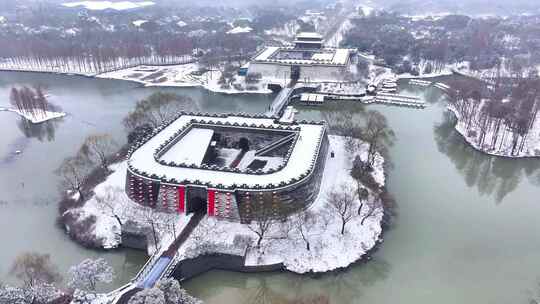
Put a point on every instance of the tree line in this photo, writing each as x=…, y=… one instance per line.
x=28, y=100
x=40, y=283
x=485, y=43
x=506, y=111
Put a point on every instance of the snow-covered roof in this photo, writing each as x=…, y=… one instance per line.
x=297, y=41
x=331, y=56
x=264, y=55
x=341, y=56
x=323, y=56
x=239, y=29
x=191, y=148
x=301, y=161
x=308, y=35
x=139, y=22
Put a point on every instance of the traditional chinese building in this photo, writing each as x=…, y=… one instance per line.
x=223, y=164
x=308, y=60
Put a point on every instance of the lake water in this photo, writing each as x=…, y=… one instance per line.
x=466, y=230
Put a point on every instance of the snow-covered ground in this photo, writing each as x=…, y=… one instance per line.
x=184, y=76
x=108, y=230
x=37, y=116
x=329, y=250
x=354, y=88
x=240, y=29
x=139, y=22
x=503, y=144
x=102, y=5
x=173, y=76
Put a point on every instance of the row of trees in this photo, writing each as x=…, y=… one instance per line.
x=166, y=291
x=97, y=149
x=499, y=118
x=345, y=202
x=31, y=101
x=454, y=38
x=40, y=284
x=92, y=47
x=74, y=171
x=40, y=280
x=89, y=166
x=93, y=51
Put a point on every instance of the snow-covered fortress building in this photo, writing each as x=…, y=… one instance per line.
x=222, y=164
x=308, y=60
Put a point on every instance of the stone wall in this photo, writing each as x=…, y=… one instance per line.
x=292, y=198
x=313, y=73
x=190, y=268
x=172, y=198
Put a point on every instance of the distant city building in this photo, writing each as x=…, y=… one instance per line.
x=223, y=164
x=308, y=60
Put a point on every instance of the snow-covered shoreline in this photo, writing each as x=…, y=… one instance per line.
x=183, y=70
x=182, y=76
x=460, y=127
x=37, y=117
x=330, y=250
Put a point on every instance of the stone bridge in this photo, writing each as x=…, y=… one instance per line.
x=160, y=265
x=281, y=101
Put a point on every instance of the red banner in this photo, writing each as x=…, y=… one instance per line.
x=181, y=199
x=211, y=202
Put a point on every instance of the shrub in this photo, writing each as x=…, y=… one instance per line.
x=80, y=229
x=253, y=77
x=238, y=87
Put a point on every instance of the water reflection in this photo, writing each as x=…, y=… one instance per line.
x=492, y=176
x=344, y=286
x=18, y=144
x=44, y=131
x=348, y=285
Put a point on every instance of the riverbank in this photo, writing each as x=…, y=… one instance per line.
x=169, y=76
x=187, y=75
x=502, y=137
x=37, y=116
x=329, y=249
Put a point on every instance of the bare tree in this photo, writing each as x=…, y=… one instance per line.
x=304, y=222
x=363, y=196
x=174, y=293
x=108, y=201
x=377, y=134
x=342, y=201
x=157, y=108
x=374, y=206
x=97, y=148
x=34, y=269
x=148, y=296
x=152, y=217
x=262, y=217
x=73, y=172
x=89, y=273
